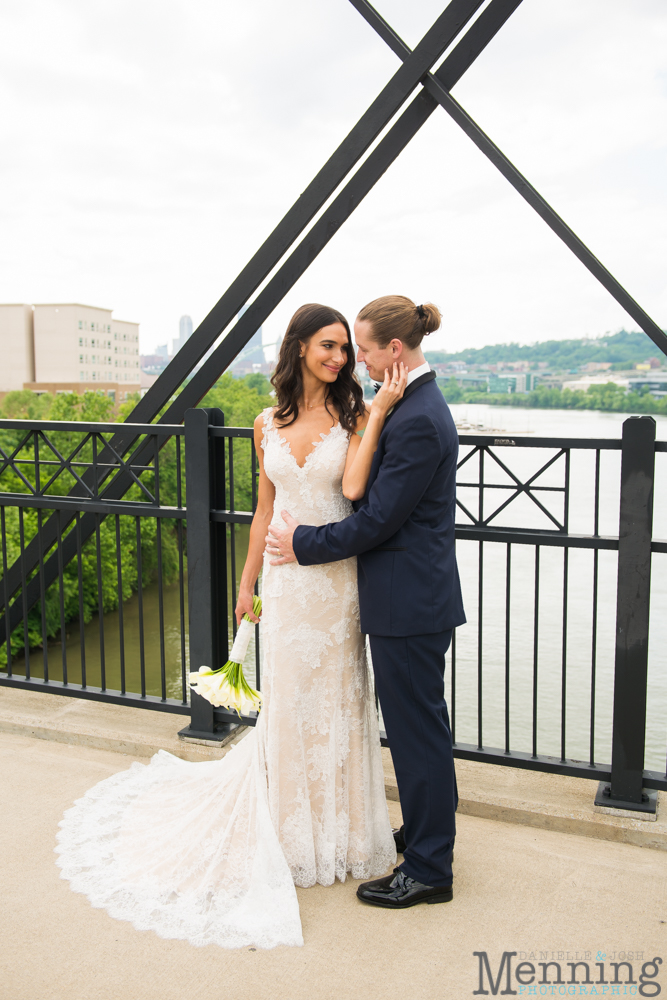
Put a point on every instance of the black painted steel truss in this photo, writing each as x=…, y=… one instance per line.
x=343, y=182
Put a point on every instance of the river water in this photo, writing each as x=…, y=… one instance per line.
x=578, y=642
x=520, y=513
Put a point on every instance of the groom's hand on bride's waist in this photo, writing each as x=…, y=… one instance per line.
x=279, y=541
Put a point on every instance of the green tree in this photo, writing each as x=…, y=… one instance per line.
x=241, y=400
x=452, y=392
x=623, y=350
x=91, y=407
x=606, y=397
x=125, y=409
x=24, y=404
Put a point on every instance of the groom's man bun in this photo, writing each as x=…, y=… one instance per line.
x=397, y=317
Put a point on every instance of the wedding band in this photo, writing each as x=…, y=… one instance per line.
x=394, y=383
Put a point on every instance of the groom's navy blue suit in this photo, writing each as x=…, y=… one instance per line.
x=410, y=600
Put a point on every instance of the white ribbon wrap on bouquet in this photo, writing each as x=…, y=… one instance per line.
x=242, y=641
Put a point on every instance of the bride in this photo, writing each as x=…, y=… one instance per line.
x=211, y=852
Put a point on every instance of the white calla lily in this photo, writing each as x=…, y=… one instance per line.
x=227, y=687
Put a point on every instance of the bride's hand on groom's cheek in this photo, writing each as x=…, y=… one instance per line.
x=391, y=390
x=279, y=541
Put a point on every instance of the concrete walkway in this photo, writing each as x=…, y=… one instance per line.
x=518, y=888
x=546, y=801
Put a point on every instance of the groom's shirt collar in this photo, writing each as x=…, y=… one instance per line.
x=418, y=372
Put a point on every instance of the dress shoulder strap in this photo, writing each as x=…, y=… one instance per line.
x=267, y=419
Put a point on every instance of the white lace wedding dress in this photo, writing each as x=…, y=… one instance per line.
x=211, y=852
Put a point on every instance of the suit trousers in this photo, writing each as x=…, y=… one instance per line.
x=409, y=679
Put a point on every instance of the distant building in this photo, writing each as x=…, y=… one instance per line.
x=583, y=384
x=596, y=366
x=521, y=382
x=162, y=350
x=17, y=346
x=184, y=334
x=152, y=364
x=61, y=347
x=252, y=354
x=185, y=328
x=489, y=382
x=472, y=382
x=440, y=369
x=655, y=384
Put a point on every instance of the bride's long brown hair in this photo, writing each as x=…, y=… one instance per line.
x=345, y=394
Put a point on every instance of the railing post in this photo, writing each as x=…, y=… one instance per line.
x=632, y=621
x=207, y=563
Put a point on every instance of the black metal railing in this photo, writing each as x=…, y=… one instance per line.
x=222, y=472
x=540, y=477
x=534, y=482
x=76, y=559
x=529, y=510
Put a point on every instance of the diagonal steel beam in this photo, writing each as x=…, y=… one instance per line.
x=435, y=41
x=404, y=82
x=397, y=138
x=440, y=92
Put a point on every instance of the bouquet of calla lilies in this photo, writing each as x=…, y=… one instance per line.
x=227, y=686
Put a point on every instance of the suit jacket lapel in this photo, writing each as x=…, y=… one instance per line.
x=422, y=380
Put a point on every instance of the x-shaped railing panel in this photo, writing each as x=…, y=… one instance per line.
x=68, y=463
x=65, y=463
x=518, y=486
x=11, y=461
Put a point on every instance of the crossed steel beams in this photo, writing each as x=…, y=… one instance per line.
x=440, y=93
x=435, y=91
x=350, y=151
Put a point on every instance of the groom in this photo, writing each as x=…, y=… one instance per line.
x=410, y=600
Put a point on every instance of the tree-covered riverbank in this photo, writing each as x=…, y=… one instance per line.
x=621, y=350
x=608, y=397
x=239, y=399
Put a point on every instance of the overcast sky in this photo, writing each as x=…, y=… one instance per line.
x=150, y=146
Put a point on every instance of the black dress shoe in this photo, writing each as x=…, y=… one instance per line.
x=398, y=891
x=399, y=840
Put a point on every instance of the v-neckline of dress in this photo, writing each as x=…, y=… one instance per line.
x=284, y=443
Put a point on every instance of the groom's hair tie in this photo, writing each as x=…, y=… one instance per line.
x=421, y=312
